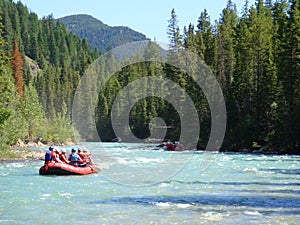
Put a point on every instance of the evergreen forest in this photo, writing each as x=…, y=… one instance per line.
x=98, y=34
x=254, y=55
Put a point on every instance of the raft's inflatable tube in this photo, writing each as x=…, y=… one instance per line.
x=52, y=168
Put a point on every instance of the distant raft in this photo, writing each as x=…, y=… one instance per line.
x=52, y=168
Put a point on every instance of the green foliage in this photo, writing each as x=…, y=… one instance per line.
x=4, y=115
x=60, y=129
x=174, y=32
x=256, y=61
x=208, y=44
x=98, y=34
x=59, y=59
x=255, y=57
x=7, y=90
x=33, y=114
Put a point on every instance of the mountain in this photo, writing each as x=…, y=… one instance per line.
x=99, y=34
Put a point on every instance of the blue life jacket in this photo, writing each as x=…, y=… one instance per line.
x=74, y=157
x=48, y=156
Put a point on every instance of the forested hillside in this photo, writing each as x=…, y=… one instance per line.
x=39, y=107
x=256, y=60
x=255, y=57
x=98, y=34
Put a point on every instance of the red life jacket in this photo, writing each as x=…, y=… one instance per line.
x=82, y=156
x=170, y=147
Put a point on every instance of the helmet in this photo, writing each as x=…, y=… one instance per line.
x=63, y=150
x=51, y=148
x=73, y=149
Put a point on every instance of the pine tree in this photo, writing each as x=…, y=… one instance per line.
x=174, y=32
x=6, y=20
x=242, y=82
x=294, y=58
x=267, y=85
x=17, y=64
x=33, y=45
x=193, y=41
x=226, y=45
x=209, y=45
x=245, y=9
x=288, y=69
x=24, y=27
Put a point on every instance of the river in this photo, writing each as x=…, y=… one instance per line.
x=198, y=188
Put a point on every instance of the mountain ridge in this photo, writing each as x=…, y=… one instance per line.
x=98, y=34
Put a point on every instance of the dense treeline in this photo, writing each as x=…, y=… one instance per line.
x=255, y=58
x=44, y=63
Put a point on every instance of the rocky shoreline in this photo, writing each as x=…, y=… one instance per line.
x=22, y=155
x=22, y=152
x=31, y=144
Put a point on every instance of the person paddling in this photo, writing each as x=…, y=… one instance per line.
x=88, y=157
x=49, y=155
x=63, y=157
x=55, y=156
x=81, y=155
x=74, y=158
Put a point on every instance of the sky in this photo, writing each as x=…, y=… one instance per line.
x=148, y=17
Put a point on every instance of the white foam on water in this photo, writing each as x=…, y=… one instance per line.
x=162, y=204
x=183, y=206
x=164, y=185
x=252, y=213
x=212, y=216
x=46, y=195
x=67, y=195
x=168, y=205
x=148, y=160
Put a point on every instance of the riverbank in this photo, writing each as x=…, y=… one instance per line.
x=16, y=153
x=22, y=151
x=22, y=155
x=31, y=144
